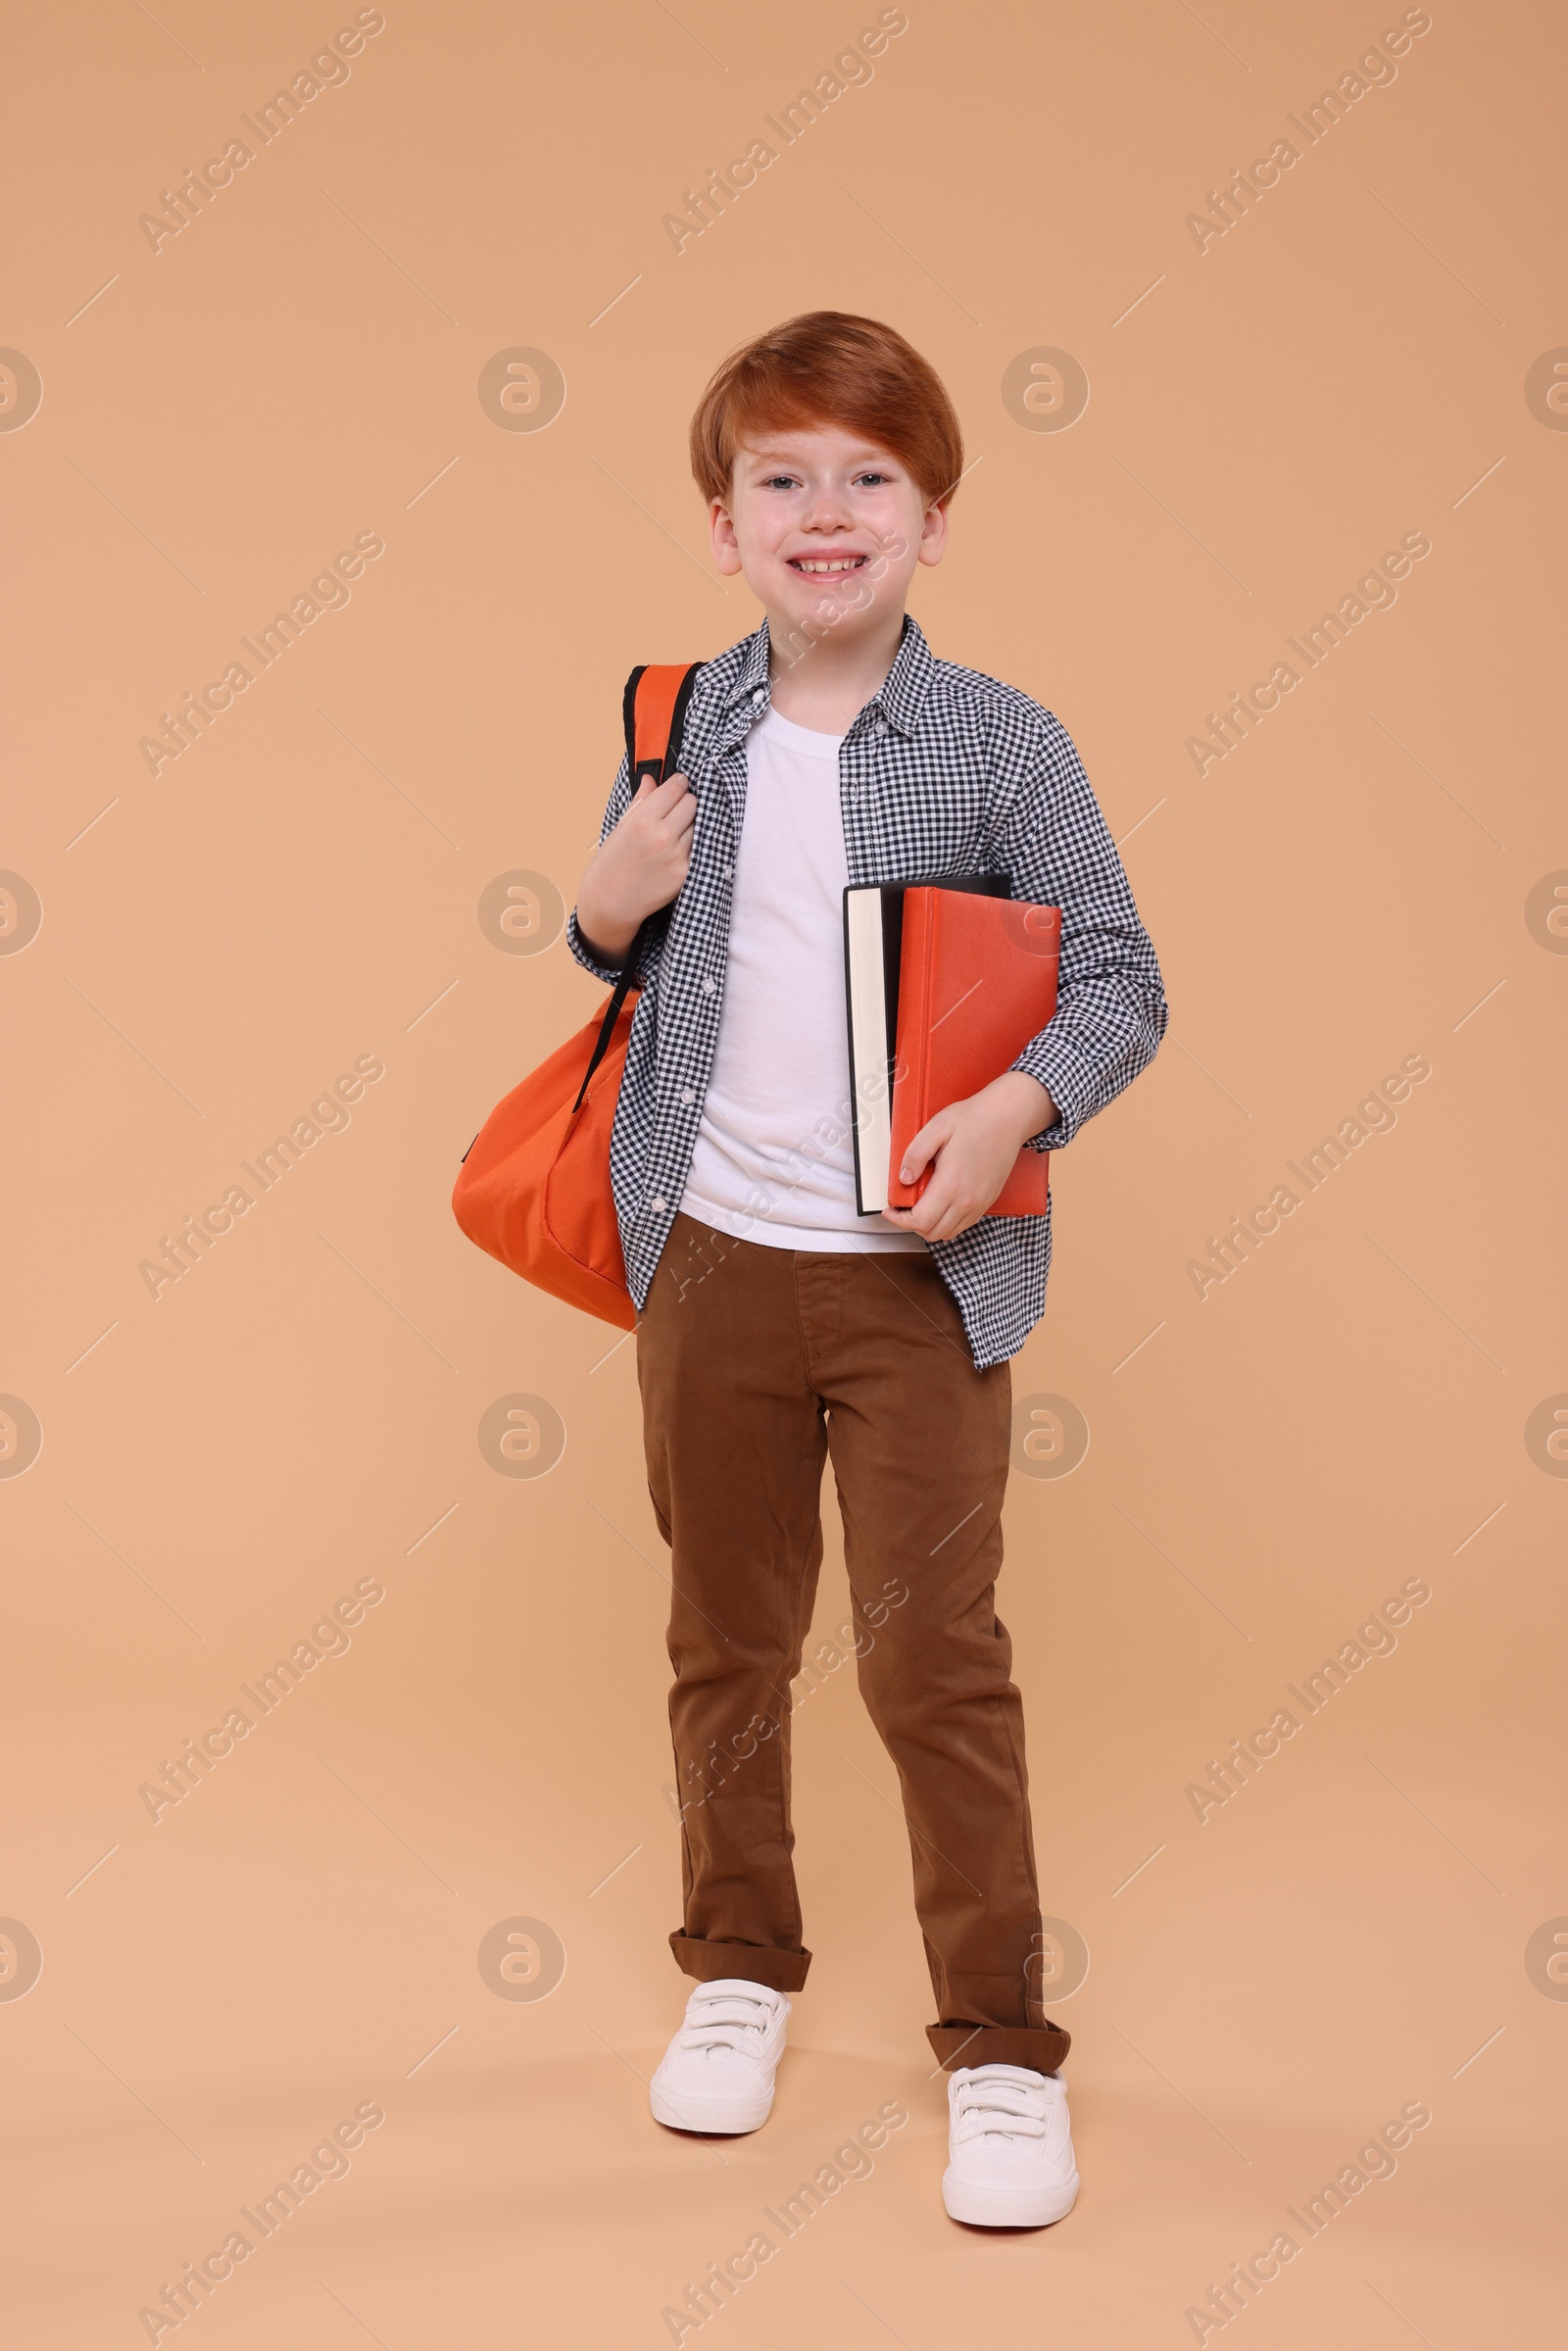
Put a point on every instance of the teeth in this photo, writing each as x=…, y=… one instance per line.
x=849, y=564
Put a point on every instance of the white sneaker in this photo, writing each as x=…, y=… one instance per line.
x=717, y=2073
x=1010, y=2162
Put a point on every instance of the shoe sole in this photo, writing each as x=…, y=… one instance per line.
x=697, y=2114
x=1007, y=2207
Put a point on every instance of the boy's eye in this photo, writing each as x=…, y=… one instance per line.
x=779, y=481
x=874, y=478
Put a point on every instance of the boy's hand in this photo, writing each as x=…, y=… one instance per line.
x=974, y=1143
x=639, y=867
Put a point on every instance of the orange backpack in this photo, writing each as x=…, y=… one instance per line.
x=534, y=1186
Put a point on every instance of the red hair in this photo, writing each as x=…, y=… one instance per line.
x=827, y=367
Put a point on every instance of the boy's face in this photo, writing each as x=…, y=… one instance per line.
x=826, y=528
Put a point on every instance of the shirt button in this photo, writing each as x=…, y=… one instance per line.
x=686, y=1095
x=659, y=1205
x=729, y=873
x=708, y=987
x=881, y=726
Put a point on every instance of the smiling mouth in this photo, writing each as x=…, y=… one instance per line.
x=837, y=566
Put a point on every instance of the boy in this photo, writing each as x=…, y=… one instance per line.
x=778, y=1326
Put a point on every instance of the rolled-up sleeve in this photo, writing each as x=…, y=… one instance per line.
x=1110, y=1000
x=648, y=955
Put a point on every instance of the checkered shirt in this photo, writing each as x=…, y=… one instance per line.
x=943, y=771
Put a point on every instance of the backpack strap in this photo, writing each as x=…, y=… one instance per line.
x=653, y=712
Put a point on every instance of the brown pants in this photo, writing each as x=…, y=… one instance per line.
x=754, y=1362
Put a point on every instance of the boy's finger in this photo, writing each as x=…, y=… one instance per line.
x=649, y=791
x=921, y=1149
x=669, y=793
x=671, y=825
x=946, y=1222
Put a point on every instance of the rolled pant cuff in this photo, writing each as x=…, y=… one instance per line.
x=1041, y=2048
x=752, y=1962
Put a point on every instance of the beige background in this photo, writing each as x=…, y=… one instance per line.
x=301, y=888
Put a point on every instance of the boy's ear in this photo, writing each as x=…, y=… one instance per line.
x=721, y=533
x=933, y=535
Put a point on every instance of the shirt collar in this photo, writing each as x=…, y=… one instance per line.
x=900, y=699
x=753, y=671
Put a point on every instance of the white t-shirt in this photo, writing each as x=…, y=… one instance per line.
x=775, y=1156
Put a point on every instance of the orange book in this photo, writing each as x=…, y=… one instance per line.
x=977, y=979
